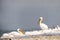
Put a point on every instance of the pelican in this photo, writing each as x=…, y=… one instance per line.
x=42, y=25
x=13, y=34
x=20, y=31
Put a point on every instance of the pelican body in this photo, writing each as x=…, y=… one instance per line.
x=42, y=25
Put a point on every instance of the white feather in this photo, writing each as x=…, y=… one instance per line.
x=43, y=26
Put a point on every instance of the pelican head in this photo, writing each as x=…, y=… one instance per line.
x=40, y=20
x=20, y=31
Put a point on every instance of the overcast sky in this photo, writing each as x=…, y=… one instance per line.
x=25, y=13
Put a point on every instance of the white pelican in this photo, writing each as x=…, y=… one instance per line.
x=13, y=34
x=42, y=25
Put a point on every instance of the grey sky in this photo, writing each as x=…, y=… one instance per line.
x=25, y=13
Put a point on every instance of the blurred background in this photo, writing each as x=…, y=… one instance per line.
x=24, y=14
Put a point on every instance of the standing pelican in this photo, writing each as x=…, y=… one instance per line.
x=42, y=25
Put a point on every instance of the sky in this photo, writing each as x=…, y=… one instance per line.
x=24, y=14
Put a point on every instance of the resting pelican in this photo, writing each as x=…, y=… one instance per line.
x=42, y=25
x=13, y=34
x=20, y=31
